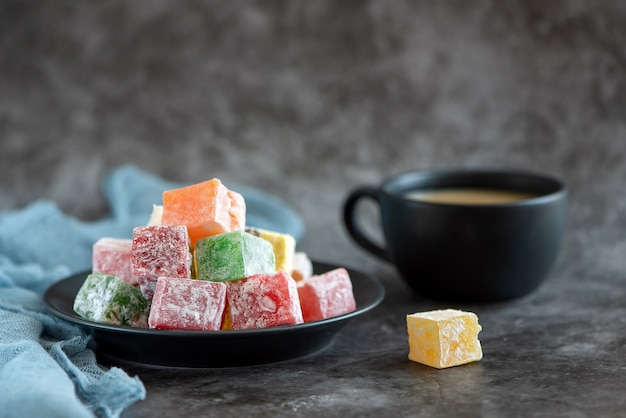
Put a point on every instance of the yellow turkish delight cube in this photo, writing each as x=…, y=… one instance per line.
x=444, y=338
x=284, y=247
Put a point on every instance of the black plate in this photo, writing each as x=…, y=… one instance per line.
x=212, y=348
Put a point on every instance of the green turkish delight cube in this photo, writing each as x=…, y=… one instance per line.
x=109, y=299
x=233, y=256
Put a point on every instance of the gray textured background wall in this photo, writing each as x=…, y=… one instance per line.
x=309, y=99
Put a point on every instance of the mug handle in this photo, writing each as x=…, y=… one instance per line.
x=353, y=226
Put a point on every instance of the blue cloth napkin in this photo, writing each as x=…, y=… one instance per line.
x=46, y=369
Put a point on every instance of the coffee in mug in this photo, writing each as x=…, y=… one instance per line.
x=469, y=196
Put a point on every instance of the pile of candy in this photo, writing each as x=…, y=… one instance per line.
x=196, y=266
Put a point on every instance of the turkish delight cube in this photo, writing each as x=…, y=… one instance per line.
x=207, y=208
x=156, y=215
x=326, y=295
x=184, y=304
x=160, y=251
x=263, y=301
x=302, y=266
x=112, y=256
x=233, y=256
x=147, y=286
x=109, y=299
x=284, y=246
x=444, y=338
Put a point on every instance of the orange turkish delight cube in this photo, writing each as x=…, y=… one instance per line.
x=206, y=209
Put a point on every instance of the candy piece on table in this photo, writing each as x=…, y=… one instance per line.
x=233, y=256
x=444, y=338
x=183, y=304
x=207, y=208
x=302, y=266
x=156, y=216
x=263, y=301
x=326, y=295
x=284, y=246
x=160, y=251
x=112, y=256
x=109, y=299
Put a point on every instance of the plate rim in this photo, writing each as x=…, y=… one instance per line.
x=105, y=332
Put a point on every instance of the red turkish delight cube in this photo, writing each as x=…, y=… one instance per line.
x=263, y=301
x=186, y=304
x=160, y=251
x=326, y=295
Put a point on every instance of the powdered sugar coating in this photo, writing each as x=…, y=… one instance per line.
x=326, y=295
x=186, y=304
x=302, y=266
x=233, y=256
x=147, y=285
x=109, y=299
x=206, y=209
x=161, y=251
x=112, y=256
x=263, y=301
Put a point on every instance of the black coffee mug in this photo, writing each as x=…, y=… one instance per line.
x=463, y=249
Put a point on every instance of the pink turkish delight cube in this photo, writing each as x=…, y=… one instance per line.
x=147, y=285
x=326, y=295
x=112, y=256
x=186, y=304
x=263, y=301
x=160, y=251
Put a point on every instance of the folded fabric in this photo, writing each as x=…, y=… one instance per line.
x=46, y=368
